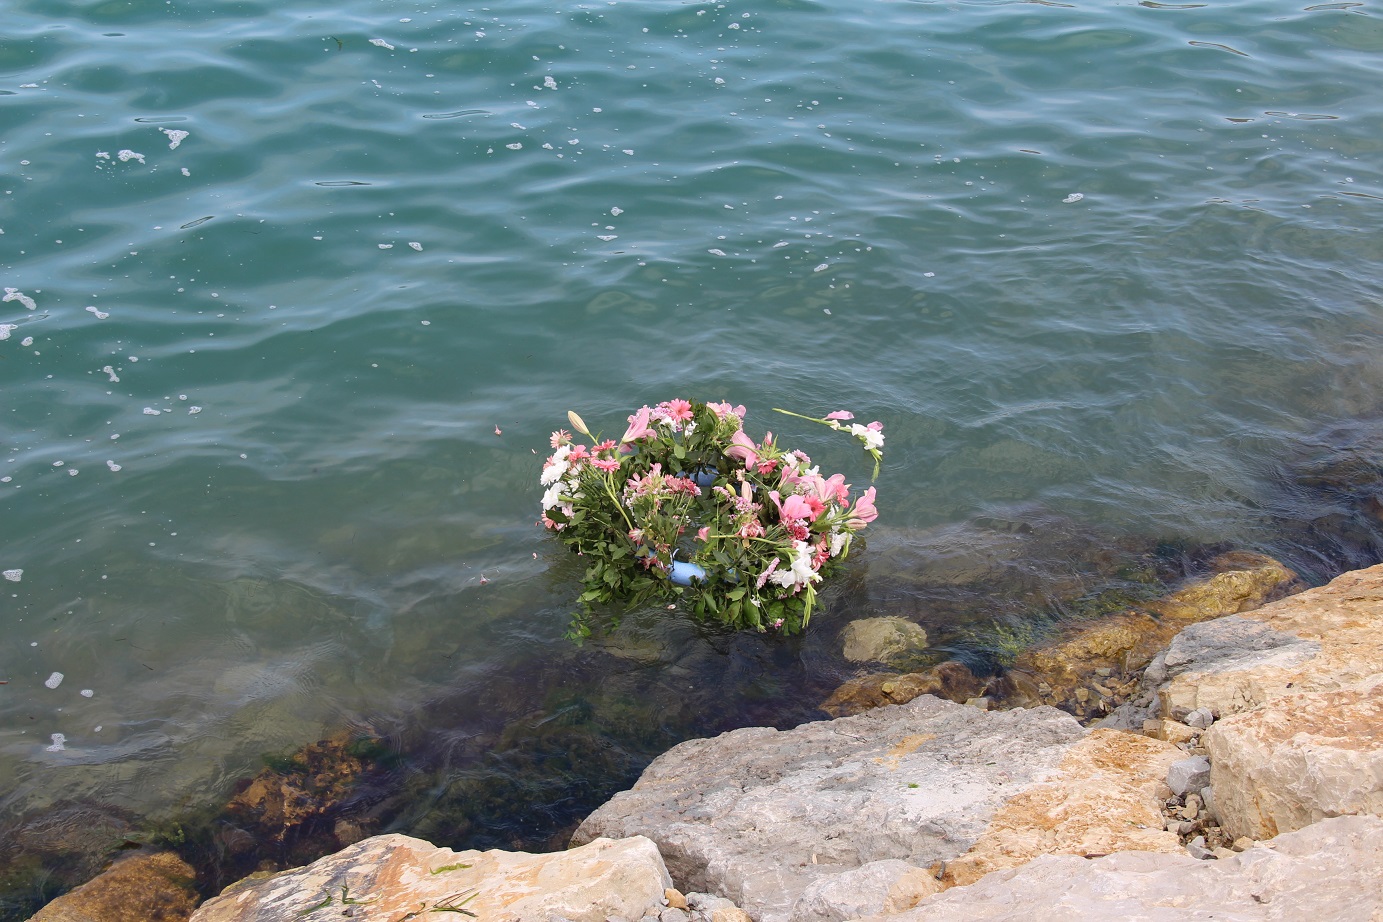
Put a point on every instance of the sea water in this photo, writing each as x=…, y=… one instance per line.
x=295, y=292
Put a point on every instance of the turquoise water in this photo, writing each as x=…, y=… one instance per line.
x=1107, y=273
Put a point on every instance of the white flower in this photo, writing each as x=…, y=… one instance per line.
x=553, y=471
x=553, y=496
x=800, y=572
x=839, y=539
x=872, y=438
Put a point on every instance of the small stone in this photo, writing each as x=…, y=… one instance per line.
x=1176, y=732
x=1189, y=774
x=1190, y=811
x=1200, y=718
x=1222, y=852
x=674, y=898
x=672, y=914
x=1196, y=849
x=1082, y=695
x=1043, y=688
x=1152, y=728
x=1101, y=690
x=1242, y=844
x=1104, y=672
x=981, y=703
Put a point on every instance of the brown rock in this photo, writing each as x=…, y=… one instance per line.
x=950, y=680
x=1106, y=798
x=1244, y=582
x=674, y=898
x=1126, y=642
x=312, y=784
x=143, y=887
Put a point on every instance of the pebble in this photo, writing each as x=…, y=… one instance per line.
x=1200, y=718
x=1196, y=848
x=1082, y=695
x=1242, y=844
x=1189, y=774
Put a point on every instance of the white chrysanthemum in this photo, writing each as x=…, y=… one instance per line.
x=839, y=539
x=553, y=472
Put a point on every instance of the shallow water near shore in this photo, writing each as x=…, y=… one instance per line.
x=273, y=424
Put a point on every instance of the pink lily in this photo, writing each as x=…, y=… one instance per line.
x=638, y=427
x=743, y=449
x=864, y=511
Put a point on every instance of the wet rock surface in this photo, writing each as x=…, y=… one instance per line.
x=882, y=640
x=139, y=887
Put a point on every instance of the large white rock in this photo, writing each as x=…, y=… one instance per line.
x=758, y=815
x=1331, y=871
x=388, y=878
x=1299, y=760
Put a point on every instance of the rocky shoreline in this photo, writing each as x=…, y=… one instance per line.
x=1217, y=752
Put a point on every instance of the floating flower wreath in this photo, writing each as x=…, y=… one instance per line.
x=685, y=504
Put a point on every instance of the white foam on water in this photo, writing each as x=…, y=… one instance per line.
x=386, y=246
x=100, y=314
x=617, y=211
x=193, y=411
x=1073, y=197
x=629, y=152
x=175, y=136
x=72, y=472
x=381, y=43
x=59, y=463
x=716, y=252
x=606, y=237
x=114, y=379
x=127, y=155
x=780, y=243
x=822, y=268
x=929, y=275
x=27, y=341
x=5, y=329
x=185, y=172
x=112, y=465
x=515, y=146
x=549, y=83
x=59, y=742
x=150, y=411
x=54, y=680
x=415, y=245
x=13, y=576
x=102, y=155
x=87, y=693
x=14, y=294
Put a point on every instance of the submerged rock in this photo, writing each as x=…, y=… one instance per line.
x=1074, y=668
x=950, y=680
x=396, y=877
x=882, y=640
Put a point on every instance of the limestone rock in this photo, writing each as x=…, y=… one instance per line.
x=1243, y=582
x=882, y=640
x=1298, y=760
x=1107, y=797
x=144, y=887
x=1327, y=872
x=758, y=815
x=387, y=878
x=950, y=680
x=862, y=891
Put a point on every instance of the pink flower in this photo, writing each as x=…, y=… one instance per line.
x=795, y=508
x=743, y=449
x=864, y=511
x=578, y=453
x=840, y=414
x=703, y=533
x=721, y=410
x=677, y=410
x=559, y=438
x=608, y=465
x=638, y=427
x=876, y=426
